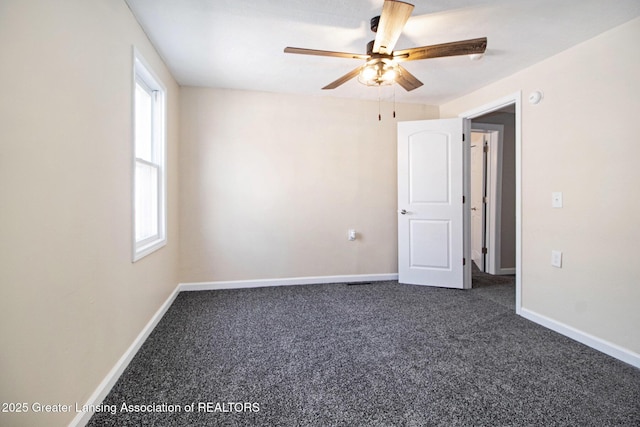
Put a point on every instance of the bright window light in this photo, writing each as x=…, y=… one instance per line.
x=149, y=176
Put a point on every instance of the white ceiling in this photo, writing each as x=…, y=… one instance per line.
x=239, y=44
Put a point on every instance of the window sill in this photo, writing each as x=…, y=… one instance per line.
x=142, y=251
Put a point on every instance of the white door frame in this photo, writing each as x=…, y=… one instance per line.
x=494, y=194
x=478, y=179
x=516, y=100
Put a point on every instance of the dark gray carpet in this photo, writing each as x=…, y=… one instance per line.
x=499, y=289
x=382, y=354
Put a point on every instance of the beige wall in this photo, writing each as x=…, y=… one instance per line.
x=271, y=183
x=71, y=301
x=582, y=139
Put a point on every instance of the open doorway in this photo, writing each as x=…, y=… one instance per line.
x=493, y=224
x=494, y=193
x=485, y=195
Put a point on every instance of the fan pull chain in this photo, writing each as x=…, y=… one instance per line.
x=394, y=101
x=379, y=115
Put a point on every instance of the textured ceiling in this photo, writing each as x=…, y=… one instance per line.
x=238, y=44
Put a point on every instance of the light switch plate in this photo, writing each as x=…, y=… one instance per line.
x=556, y=199
x=556, y=259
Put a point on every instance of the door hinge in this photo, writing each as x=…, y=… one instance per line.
x=484, y=251
x=486, y=148
x=463, y=199
x=485, y=200
x=463, y=137
x=464, y=261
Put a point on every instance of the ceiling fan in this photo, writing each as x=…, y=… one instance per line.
x=382, y=62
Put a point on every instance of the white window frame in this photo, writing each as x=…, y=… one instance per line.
x=144, y=76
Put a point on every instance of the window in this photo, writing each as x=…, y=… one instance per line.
x=149, y=211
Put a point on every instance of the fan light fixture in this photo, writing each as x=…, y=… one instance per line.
x=382, y=61
x=378, y=72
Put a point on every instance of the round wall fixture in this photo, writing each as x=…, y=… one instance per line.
x=535, y=97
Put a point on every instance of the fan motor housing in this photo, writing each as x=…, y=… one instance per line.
x=370, y=47
x=374, y=23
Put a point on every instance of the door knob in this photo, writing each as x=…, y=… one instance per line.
x=403, y=211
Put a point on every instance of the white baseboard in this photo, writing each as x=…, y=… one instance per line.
x=596, y=343
x=507, y=271
x=82, y=418
x=314, y=280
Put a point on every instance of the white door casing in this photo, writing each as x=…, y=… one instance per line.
x=478, y=192
x=493, y=191
x=514, y=99
x=432, y=244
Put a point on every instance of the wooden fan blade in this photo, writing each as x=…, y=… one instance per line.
x=343, y=79
x=464, y=47
x=407, y=80
x=394, y=15
x=303, y=51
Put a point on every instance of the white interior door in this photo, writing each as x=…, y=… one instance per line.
x=492, y=207
x=433, y=248
x=478, y=192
